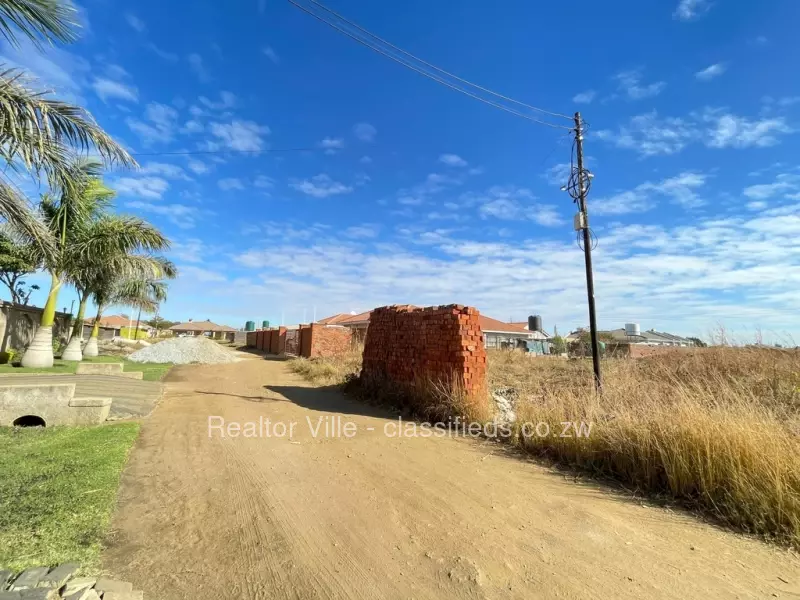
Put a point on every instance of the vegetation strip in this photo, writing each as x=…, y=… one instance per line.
x=58, y=487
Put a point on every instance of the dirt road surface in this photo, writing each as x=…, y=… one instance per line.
x=374, y=516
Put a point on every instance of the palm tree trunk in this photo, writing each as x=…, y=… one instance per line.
x=91, y=346
x=40, y=351
x=73, y=350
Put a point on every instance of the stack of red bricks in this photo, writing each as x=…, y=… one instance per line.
x=438, y=343
x=329, y=341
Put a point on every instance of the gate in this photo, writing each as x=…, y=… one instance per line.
x=293, y=341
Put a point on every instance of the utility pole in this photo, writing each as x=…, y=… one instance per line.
x=580, y=181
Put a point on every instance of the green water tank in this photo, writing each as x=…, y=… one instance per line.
x=250, y=326
x=265, y=324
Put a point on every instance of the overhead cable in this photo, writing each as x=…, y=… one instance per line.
x=423, y=72
x=432, y=66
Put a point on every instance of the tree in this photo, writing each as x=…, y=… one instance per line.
x=161, y=323
x=17, y=259
x=145, y=291
x=558, y=345
x=697, y=342
x=38, y=133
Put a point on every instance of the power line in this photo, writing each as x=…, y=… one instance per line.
x=432, y=66
x=211, y=152
x=422, y=72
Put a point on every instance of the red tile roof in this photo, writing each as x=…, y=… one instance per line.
x=489, y=324
x=117, y=322
x=334, y=319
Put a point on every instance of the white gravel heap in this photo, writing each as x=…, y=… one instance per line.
x=184, y=351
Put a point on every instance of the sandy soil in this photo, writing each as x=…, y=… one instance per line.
x=384, y=517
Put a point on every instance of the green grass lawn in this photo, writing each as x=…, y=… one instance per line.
x=57, y=491
x=152, y=371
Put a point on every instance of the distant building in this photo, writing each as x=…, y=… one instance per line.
x=112, y=326
x=648, y=338
x=496, y=334
x=205, y=328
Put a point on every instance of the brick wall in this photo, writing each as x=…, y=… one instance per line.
x=329, y=341
x=260, y=339
x=304, y=348
x=440, y=343
x=251, y=339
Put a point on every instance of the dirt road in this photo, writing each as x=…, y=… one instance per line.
x=374, y=516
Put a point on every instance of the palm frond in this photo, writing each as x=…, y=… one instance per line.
x=121, y=234
x=41, y=132
x=54, y=20
x=25, y=223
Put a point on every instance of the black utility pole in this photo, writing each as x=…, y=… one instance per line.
x=583, y=182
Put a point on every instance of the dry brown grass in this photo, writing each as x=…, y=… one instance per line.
x=334, y=370
x=718, y=429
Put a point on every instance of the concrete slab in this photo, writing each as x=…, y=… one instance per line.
x=54, y=403
x=137, y=595
x=85, y=368
x=130, y=398
x=40, y=594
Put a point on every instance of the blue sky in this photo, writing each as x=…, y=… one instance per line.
x=409, y=192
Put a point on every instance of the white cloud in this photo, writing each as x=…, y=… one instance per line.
x=135, y=22
x=365, y=160
x=143, y=187
x=680, y=189
x=691, y=9
x=192, y=126
x=651, y=135
x=270, y=53
x=728, y=130
x=180, y=215
x=106, y=88
x=452, y=160
x=201, y=275
x=629, y=83
x=711, y=72
x=320, y=186
x=558, y=174
x=226, y=100
x=244, y=136
x=192, y=250
x=168, y=56
x=198, y=67
x=167, y=170
x=365, y=132
x=512, y=203
x=786, y=185
x=362, y=231
x=230, y=183
x=264, y=182
x=198, y=167
x=332, y=143
x=584, y=97
x=160, y=125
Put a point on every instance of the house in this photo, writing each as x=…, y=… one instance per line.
x=206, y=328
x=112, y=325
x=648, y=338
x=496, y=333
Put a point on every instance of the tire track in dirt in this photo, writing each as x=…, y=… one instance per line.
x=377, y=517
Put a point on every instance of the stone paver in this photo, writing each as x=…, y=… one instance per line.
x=29, y=578
x=104, y=586
x=43, y=583
x=58, y=576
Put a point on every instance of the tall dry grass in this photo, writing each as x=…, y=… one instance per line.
x=718, y=429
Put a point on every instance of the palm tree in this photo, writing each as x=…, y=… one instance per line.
x=86, y=239
x=108, y=244
x=145, y=291
x=38, y=133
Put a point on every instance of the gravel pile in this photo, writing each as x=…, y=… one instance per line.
x=184, y=351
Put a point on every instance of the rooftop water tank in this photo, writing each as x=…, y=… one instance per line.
x=535, y=323
x=632, y=330
x=250, y=326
